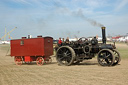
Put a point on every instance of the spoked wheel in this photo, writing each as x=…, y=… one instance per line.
x=65, y=55
x=117, y=57
x=39, y=61
x=105, y=57
x=18, y=60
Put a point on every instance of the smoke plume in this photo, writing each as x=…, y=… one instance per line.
x=91, y=21
x=62, y=9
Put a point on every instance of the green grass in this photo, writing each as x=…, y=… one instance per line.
x=123, y=52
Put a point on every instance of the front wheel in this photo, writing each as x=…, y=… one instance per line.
x=106, y=57
x=65, y=55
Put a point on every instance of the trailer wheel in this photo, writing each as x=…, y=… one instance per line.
x=65, y=55
x=18, y=60
x=39, y=61
x=117, y=57
x=105, y=57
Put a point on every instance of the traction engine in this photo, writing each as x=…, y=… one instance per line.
x=83, y=49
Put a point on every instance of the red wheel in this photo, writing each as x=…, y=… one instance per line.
x=18, y=60
x=39, y=61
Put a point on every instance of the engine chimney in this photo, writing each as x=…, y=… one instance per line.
x=103, y=35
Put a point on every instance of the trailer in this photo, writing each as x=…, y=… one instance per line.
x=26, y=50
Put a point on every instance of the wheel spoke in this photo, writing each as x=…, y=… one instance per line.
x=60, y=50
x=107, y=55
x=107, y=61
x=68, y=54
x=102, y=60
x=60, y=54
x=61, y=58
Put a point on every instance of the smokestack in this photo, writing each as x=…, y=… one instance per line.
x=103, y=35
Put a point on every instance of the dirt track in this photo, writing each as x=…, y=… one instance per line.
x=87, y=73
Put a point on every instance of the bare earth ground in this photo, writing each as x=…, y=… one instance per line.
x=86, y=73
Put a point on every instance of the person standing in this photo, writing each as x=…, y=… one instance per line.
x=60, y=42
x=63, y=40
x=67, y=41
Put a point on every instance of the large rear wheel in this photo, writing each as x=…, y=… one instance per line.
x=65, y=55
x=106, y=57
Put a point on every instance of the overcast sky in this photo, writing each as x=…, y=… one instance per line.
x=63, y=18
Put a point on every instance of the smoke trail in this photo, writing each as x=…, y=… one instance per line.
x=91, y=21
x=79, y=13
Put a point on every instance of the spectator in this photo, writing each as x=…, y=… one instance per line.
x=67, y=40
x=63, y=40
x=59, y=42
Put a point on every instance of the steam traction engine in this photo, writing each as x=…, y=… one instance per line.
x=32, y=49
x=76, y=52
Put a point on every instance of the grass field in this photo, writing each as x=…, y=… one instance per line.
x=123, y=51
x=86, y=73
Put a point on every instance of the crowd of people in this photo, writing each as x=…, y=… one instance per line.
x=61, y=41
